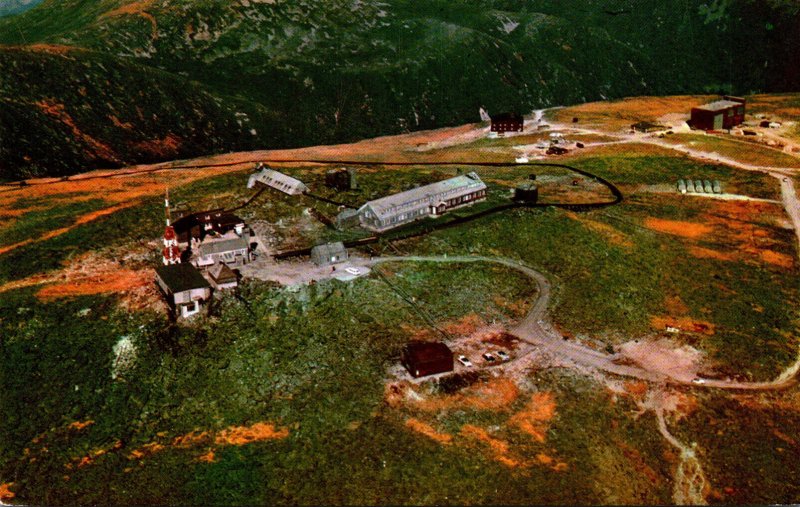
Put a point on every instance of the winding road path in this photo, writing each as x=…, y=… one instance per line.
x=535, y=329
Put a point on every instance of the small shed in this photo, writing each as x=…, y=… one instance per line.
x=427, y=358
x=223, y=277
x=329, y=253
x=698, y=186
x=647, y=127
x=341, y=179
x=690, y=186
x=707, y=187
x=681, y=186
x=526, y=192
x=717, y=187
x=184, y=287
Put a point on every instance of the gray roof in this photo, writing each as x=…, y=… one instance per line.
x=215, y=246
x=181, y=277
x=428, y=194
x=278, y=181
x=720, y=105
x=329, y=249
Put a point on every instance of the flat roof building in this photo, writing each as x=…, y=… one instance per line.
x=418, y=203
x=427, y=358
x=719, y=115
x=278, y=181
x=230, y=248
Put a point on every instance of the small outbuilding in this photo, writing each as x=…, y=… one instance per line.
x=526, y=192
x=427, y=358
x=184, y=288
x=329, y=253
x=223, y=277
x=341, y=179
x=647, y=127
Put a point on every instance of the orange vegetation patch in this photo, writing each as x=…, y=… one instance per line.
x=57, y=110
x=208, y=457
x=636, y=387
x=776, y=258
x=707, y=253
x=5, y=491
x=675, y=305
x=241, y=435
x=192, y=439
x=465, y=325
x=615, y=236
x=498, y=448
x=79, y=425
x=748, y=225
x=638, y=461
x=146, y=450
x=130, y=8
x=678, y=228
x=56, y=49
x=428, y=431
x=102, y=283
x=686, y=324
x=165, y=147
x=496, y=394
x=534, y=419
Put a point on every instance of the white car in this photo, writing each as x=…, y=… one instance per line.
x=522, y=160
x=465, y=361
x=502, y=354
x=698, y=380
x=353, y=271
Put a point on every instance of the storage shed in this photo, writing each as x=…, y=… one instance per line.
x=223, y=277
x=341, y=179
x=526, y=192
x=427, y=358
x=329, y=253
x=184, y=288
x=722, y=114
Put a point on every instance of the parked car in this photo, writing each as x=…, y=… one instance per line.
x=353, y=271
x=502, y=354
x=465, y=361
x=489, y=357
x=698, y=380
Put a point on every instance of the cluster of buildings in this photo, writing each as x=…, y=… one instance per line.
x=201, y=251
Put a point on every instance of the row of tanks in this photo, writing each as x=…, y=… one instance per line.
x=699, y=187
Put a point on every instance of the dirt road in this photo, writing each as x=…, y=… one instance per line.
x=534, y=329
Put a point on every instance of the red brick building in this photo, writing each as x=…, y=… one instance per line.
x=720, y=115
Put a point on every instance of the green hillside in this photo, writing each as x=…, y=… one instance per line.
x=341, y=70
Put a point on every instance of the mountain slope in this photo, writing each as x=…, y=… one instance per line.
x=341, y=70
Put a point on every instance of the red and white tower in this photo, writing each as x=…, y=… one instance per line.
x=171, y=252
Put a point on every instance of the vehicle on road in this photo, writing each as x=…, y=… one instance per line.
x=489, y=357
x=522, y=160
x=465, y=361
x=353, y=271
x=502, y=354
x=698, y=380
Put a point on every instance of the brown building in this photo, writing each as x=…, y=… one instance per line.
x=197, y=225
x=427, y=358
x=720, y=115
x=507, y=122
